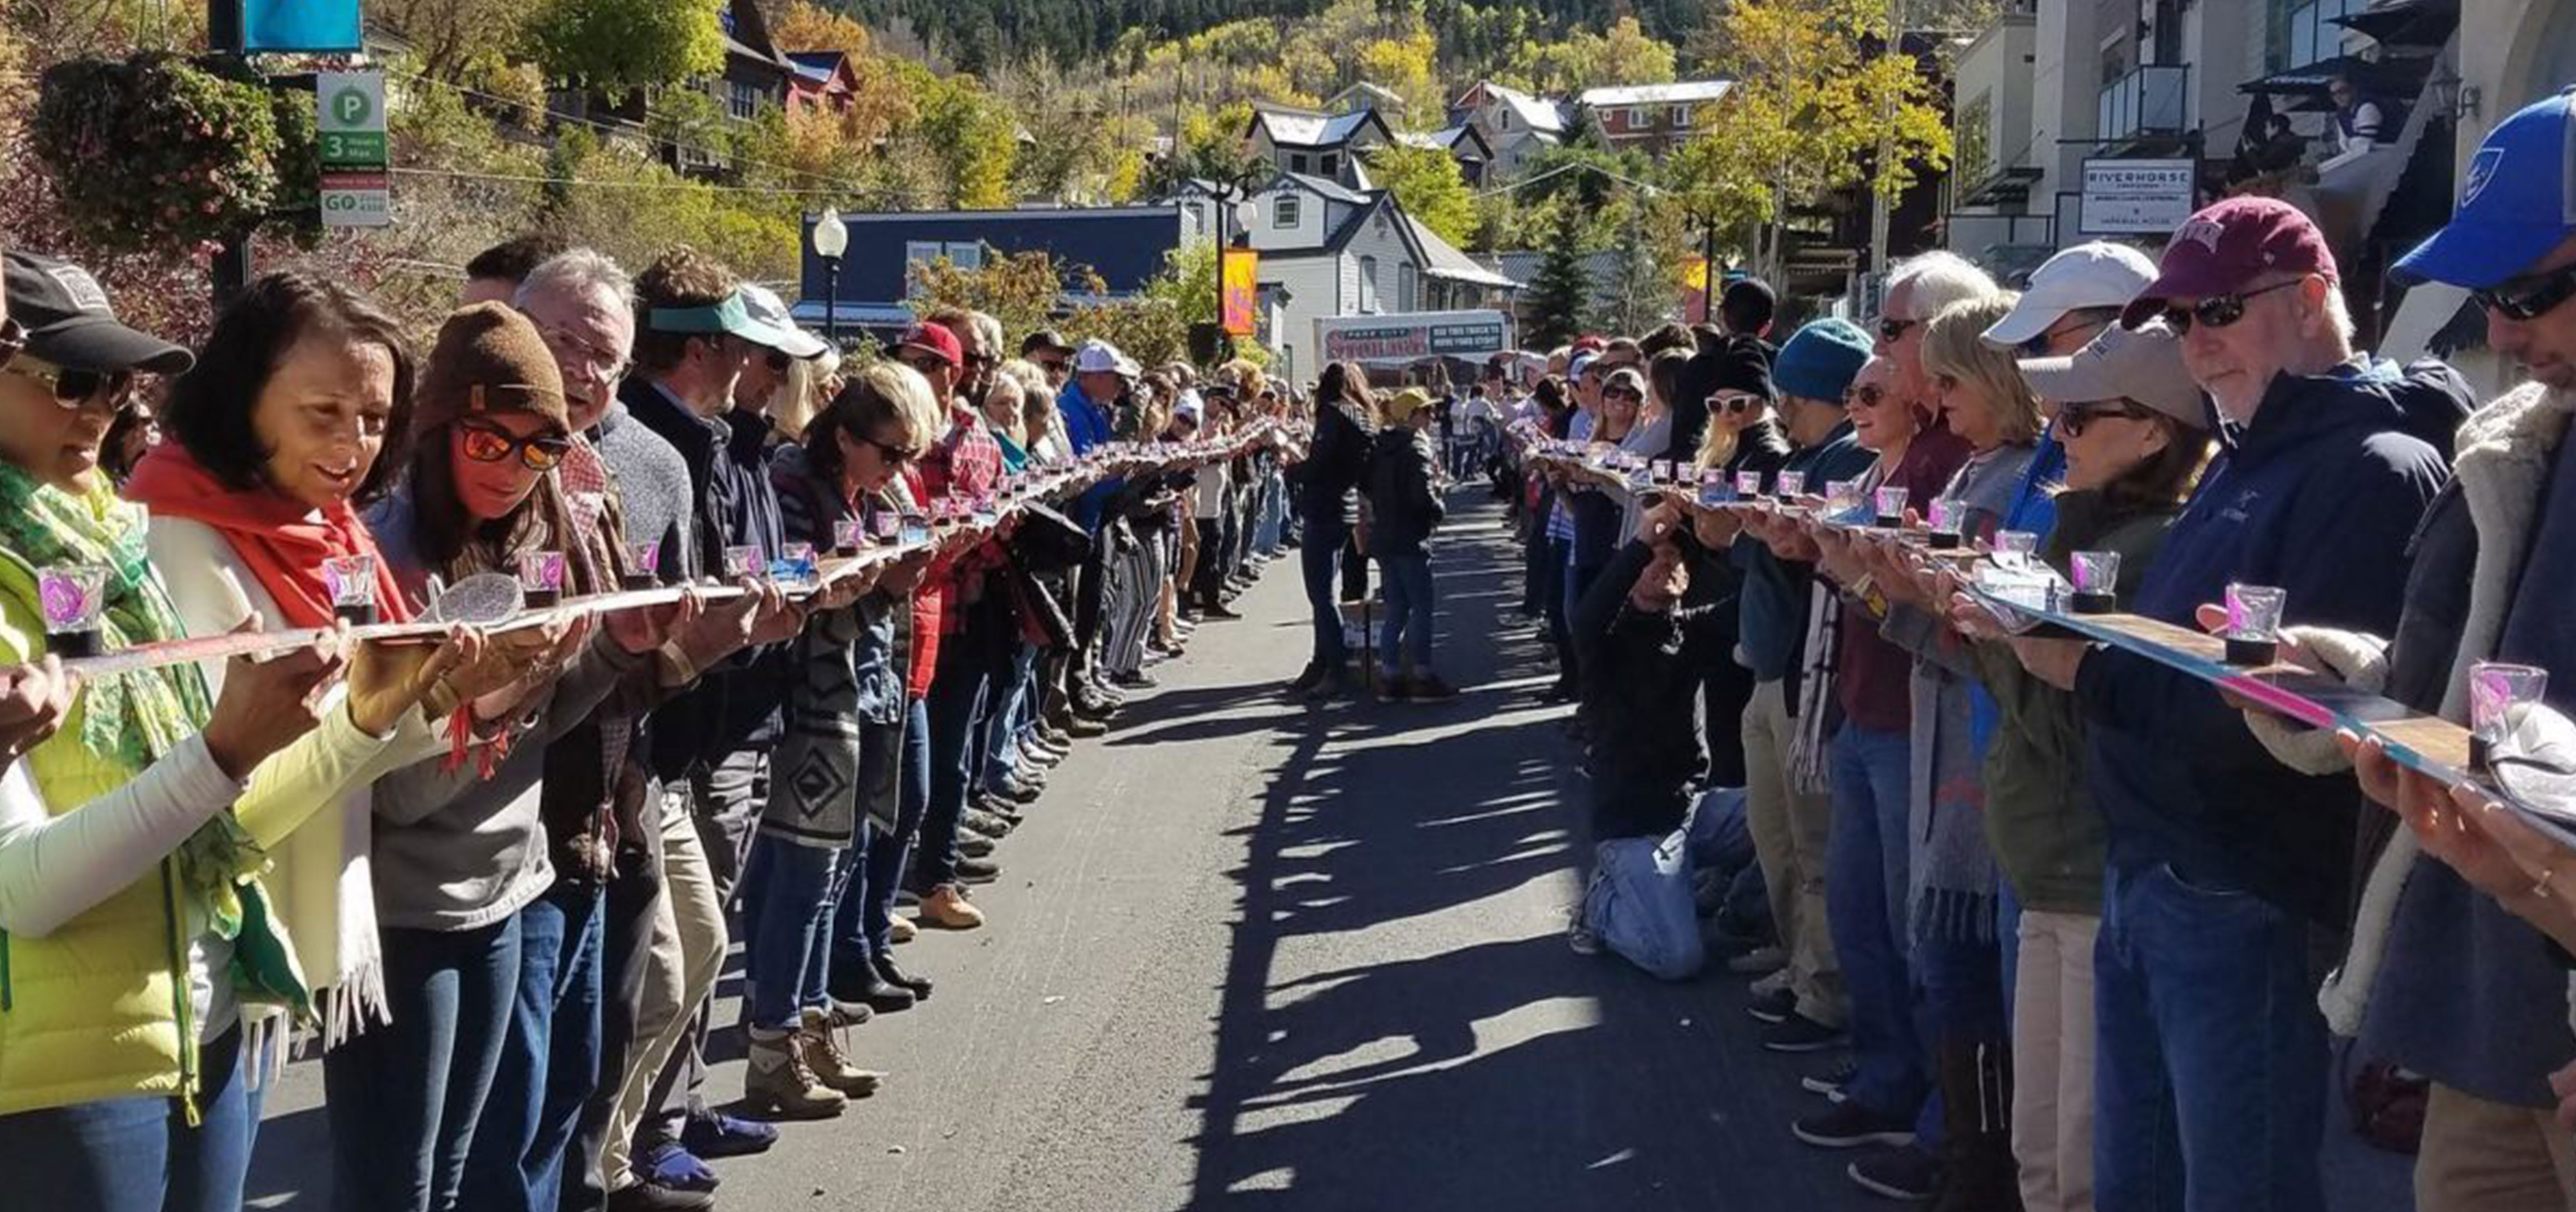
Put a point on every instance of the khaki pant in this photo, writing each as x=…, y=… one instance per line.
x=2489, y=1157
x=689, y=942
x=1789, y=835
x=2052, y=1112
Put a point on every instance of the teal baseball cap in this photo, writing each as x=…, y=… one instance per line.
x=731, y=317
x=2517, y=202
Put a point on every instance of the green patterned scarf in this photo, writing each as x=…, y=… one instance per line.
x=130, y=719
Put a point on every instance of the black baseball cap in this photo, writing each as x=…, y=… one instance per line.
x=1046, y=339
x=69, y=323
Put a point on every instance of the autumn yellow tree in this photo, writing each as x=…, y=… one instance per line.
x=1820, y=104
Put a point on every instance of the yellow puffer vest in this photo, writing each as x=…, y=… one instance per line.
x=99, y=1008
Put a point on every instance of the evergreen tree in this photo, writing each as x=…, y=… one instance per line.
x=1559, y=291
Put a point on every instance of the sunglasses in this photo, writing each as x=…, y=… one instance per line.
x=927, y=364
x=1867, y=396
x=490, y=444
x=2217, y=311
x=892, y=453
x=1054, y=366
x=72, y=388
x=1622, y=393
x=2037, y=347
x=777, y=360
x=1735, y=402
x=2074, y=419
x=2528, y=297
x=1890, y=328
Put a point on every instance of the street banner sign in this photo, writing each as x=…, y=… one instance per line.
x=1240, y=300
x=312, y=27
x=355, y=188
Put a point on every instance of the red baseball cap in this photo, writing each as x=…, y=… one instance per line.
x=934, y=339
x=2221, y=250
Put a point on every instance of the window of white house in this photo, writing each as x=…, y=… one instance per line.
x=1283, y=211
x=1332, y=165
x=1406, y=288
x=1297, y=162
x=1368, y=284
x=742, y=100
x=1681, y=115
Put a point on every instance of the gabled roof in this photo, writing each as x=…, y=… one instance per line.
x=1373, y=93
x=746, y=35
x=1299, y=128
x=1683, y=93
x=1448, y=139
x=818, y=66
x=1326, y=187
x=1441, y=259
x=1536, y=113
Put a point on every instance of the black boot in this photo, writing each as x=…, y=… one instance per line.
x=1977, y=1171
x=920, y=986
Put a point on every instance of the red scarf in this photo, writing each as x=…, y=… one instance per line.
x=282, y=540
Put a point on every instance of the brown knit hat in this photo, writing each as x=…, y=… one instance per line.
x=489, y=359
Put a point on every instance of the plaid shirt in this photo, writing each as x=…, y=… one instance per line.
x=964, y=466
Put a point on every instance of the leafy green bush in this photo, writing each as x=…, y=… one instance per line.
x=161, y=152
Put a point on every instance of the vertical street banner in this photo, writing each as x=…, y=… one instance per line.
x=313, y=27
x=355, y=189
x=1239, y=296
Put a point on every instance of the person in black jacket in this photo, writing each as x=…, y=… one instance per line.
x=1403, y=508
x=1327, y=501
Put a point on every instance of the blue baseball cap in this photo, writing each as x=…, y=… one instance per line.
x=2517, y=203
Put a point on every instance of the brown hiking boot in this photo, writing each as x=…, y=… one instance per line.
x=1429, y=686
x=946, y=907
x=824, y=1058
x=779, y=1083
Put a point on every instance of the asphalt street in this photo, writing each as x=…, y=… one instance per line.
x=1249, y=954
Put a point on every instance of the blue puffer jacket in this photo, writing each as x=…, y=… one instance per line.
x=2317, y=495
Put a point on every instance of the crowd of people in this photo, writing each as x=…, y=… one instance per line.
x=493, y=879
x=2066, y=927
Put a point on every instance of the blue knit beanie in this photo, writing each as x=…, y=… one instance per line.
x=1820, y=361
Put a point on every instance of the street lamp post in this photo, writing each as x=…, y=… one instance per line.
x=831, y=239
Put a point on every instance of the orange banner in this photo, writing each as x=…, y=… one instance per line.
x=1238, y=300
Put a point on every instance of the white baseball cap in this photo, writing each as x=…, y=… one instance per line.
x=767, y=308
x=1097, y=356
x=1189, y=407
x=2098, y=273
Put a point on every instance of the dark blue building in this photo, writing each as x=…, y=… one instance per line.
x=1125, y=245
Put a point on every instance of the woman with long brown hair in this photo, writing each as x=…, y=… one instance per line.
x=1327, y=501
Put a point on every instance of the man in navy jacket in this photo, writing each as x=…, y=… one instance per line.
x=2212, y=1070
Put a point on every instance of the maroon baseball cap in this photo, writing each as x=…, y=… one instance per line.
x=2221, y=250
x=934, y=339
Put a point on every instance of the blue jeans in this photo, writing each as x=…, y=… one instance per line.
x=2210, y=1079
x=788, y=917
x=863, y=919
x=138, y=1154
x=1409, y=606
x=550, y=1059
x=1865, y=896
x=1320, y=560
x=404, y=1097
x=1005, y=715
x=956, y=695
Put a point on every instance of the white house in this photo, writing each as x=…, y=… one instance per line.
x=1330, y=250
x=1322, y=145
x=1515, y=124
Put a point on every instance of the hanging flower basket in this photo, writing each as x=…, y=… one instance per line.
x=159, y=151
